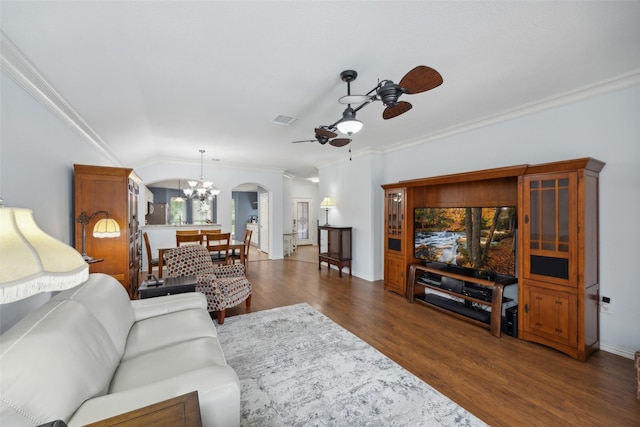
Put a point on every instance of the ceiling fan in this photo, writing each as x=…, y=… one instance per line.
x=418, y=80
x=324, y=135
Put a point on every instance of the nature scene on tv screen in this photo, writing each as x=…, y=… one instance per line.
x=480, y=238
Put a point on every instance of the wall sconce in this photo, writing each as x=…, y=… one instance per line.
x=104, y=228
x=31, y=261
x=327, y=203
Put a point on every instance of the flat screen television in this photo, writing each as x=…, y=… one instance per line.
x=477, y=238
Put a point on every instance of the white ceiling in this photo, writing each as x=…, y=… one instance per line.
x=158, y=80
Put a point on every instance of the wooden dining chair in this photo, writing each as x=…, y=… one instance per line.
x=218, y=247
x=185, y=233
x=151, y=262
x=189, y=239
x=210, y=235
x=233, y=257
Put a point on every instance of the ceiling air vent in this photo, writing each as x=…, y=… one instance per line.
x=283, y=120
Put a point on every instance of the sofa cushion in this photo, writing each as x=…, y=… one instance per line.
x=158, y=306
x=108, y=301
x=171, y=328
x=167, y=362
x=52, y=360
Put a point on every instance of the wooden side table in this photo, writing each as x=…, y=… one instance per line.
x=180, y=411
x=334, y=244
x=169, y=286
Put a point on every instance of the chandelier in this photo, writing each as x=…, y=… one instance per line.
x=201, y=189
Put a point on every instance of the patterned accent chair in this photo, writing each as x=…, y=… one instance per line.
x=224, y=285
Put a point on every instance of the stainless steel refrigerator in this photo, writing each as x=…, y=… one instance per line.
x=156, y=213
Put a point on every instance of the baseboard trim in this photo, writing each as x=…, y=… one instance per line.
x=619, y=350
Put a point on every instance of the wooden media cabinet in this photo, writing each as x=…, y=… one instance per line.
x=461, y=293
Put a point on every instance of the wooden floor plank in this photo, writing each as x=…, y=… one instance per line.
x=504, y=381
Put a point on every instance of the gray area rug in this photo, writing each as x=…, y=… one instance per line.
x=299, y=368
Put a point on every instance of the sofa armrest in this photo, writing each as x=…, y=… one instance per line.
x=218, y=394
x=151, y=307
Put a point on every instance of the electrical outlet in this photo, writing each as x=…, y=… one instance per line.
x=605, y=305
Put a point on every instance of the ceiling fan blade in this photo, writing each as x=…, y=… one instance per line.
x=354, y=99
x=420, y=79
x=339, y=142
x=400, y=108
x=324, y=132
x=306, y=140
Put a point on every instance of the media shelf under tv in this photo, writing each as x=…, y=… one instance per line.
x=461, y=292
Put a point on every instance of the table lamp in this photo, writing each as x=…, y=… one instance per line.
x=104, y=228
x=32, y=261
x=327, y=203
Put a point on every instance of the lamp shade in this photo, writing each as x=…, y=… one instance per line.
x=327, y=202
x=106, y=227
x=31, y=261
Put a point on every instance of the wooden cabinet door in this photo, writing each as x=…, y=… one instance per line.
x=550, y=314
x=394, y=274
x=550, y=228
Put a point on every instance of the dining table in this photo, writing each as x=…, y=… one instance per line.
x=234, y=245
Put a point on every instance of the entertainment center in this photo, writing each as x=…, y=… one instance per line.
x=455, y=242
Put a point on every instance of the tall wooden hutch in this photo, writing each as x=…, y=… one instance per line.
x=557, y=247
x=115, y=190
x=558, y=252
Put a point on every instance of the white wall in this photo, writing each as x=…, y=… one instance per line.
x=606, y=127
x=37, y=152
x=349, y=184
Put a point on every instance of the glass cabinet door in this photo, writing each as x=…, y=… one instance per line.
x=394, y=218
x=549, y=226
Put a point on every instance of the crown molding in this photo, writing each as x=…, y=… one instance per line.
x=16, y=65
x=618, y=83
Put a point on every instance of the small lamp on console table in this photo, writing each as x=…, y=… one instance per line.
x=104, y=228
x=327, y=203
x=31, y=261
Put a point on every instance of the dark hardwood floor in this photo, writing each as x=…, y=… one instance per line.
x=503, y=381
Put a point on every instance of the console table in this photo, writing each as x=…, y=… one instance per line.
x=334, y=244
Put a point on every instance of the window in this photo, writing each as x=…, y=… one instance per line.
x=202, y=212
x=177, y=211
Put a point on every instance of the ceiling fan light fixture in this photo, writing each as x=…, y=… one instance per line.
x=349, y=127
x=349, y=124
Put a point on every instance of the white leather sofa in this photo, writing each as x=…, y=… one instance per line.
x=90, y=353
